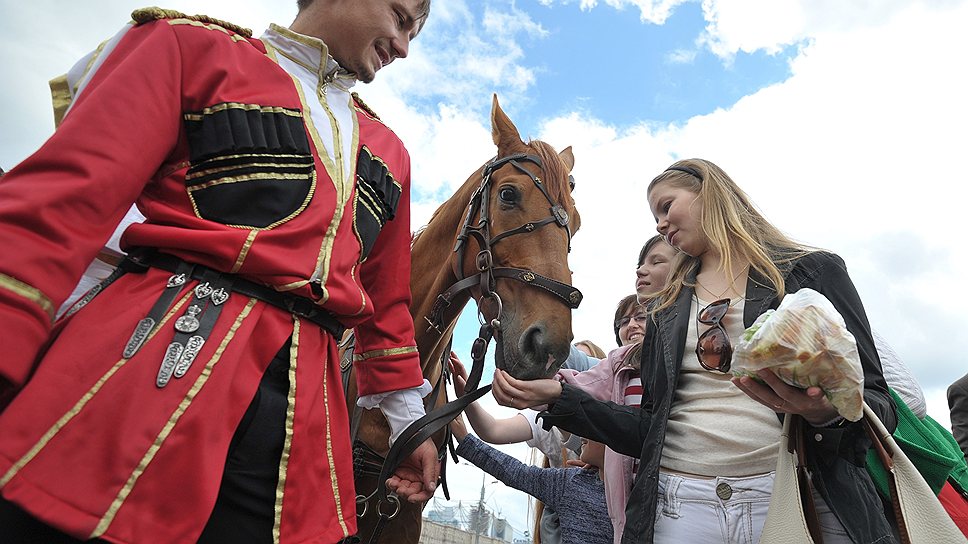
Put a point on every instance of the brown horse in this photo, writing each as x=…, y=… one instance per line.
x=514, y=193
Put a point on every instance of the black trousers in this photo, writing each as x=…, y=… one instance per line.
x=245, y=508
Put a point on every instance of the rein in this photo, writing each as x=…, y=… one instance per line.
x=490, y=308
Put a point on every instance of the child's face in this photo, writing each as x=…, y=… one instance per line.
x=653, y=272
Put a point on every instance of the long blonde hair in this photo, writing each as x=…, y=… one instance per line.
x=733, y=226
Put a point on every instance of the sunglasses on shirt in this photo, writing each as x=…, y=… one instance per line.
x=713, y=348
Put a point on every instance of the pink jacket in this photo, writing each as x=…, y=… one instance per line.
x=607, y=381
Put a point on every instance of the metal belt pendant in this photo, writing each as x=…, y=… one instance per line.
x=172, y=355
x=192, y=347
x=188, y=323
x=194, y=326
x=95, y=291
x=147, y=324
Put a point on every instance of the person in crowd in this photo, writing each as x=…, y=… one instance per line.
x=958, y=404
x=523, y=427
x=899, y=377
x=707, y=441
x=618, y=377
x=576, y=492
x=590, y=348
x=194, y=394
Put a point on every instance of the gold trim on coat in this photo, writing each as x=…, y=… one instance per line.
x=149, y=455
x=76, y=409
x=245, y=250
x=28, y=292
x=384, y=353
x=287, y=444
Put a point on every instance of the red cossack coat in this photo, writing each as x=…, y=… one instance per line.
x=201, y=128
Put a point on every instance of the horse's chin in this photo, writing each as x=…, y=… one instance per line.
x=524, y=366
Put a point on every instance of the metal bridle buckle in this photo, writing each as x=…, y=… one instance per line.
x=391, y=498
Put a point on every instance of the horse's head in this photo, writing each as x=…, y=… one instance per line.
x=525, y=218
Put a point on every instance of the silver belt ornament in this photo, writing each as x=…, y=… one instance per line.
x=198, y=318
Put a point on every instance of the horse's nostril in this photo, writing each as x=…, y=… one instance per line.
x=533, y=343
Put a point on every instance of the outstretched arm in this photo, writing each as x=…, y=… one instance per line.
x=573, y=410
x=490, y=429
x=545, y=484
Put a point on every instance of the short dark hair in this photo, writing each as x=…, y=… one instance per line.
x=647, y=248
x=621, y=311
x=423, y=11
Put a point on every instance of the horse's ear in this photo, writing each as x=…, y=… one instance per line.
x=567, y=157
x=503, y=131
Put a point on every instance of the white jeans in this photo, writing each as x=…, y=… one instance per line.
x=690, y=510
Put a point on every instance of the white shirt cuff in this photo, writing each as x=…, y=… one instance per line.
x=401, y=408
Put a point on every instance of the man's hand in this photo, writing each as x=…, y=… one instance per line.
x=416, y=478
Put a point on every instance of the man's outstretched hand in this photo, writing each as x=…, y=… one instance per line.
x=415, y=480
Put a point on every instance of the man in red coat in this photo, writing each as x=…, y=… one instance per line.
x=195, y=394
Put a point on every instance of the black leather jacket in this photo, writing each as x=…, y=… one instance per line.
x=836, y=455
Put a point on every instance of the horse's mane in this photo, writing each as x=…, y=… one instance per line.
x=554, y=169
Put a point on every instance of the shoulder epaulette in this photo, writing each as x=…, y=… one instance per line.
x=363, y=106
x=146, y=15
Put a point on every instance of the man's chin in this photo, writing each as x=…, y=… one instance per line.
x=365, y=75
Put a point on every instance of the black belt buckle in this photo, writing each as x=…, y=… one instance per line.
x=301, y=307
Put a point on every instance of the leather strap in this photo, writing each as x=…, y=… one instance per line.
x=887, y=459
x=803, y=479
x=142, y=258
x=420, y=430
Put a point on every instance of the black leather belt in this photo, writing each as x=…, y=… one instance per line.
x=139, y=260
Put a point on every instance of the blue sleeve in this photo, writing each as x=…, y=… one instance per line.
x=545, y=484
x=579, y=360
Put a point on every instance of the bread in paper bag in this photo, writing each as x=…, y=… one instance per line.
x=805, y=343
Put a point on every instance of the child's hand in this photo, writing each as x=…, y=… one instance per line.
x=577, y=463
x=459, y=373
x=458, y=428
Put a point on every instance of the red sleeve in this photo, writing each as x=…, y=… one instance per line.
x=387, y=357
x=60, y=205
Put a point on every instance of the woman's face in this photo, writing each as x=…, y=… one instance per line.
x=631, y=327
x=678, y=216
x=653, y=271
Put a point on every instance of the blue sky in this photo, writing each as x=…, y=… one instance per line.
x=842, y=120
x=661, y=73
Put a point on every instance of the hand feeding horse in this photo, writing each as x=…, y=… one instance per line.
x=503, y=239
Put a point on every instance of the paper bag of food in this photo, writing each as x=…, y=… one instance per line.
x=806, y=343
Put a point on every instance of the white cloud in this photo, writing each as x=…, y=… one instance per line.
x=682, y=56
x=856, y=152
x=650, y=11
x=859, y=151
x=512, y=22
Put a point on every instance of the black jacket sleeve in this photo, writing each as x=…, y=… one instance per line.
x=616, y=425
x=850, y=440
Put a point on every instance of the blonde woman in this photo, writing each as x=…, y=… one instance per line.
x=706, y=441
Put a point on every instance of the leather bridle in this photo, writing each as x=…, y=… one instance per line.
x=489, y=306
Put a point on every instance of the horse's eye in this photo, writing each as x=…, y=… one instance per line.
x=508, y=194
